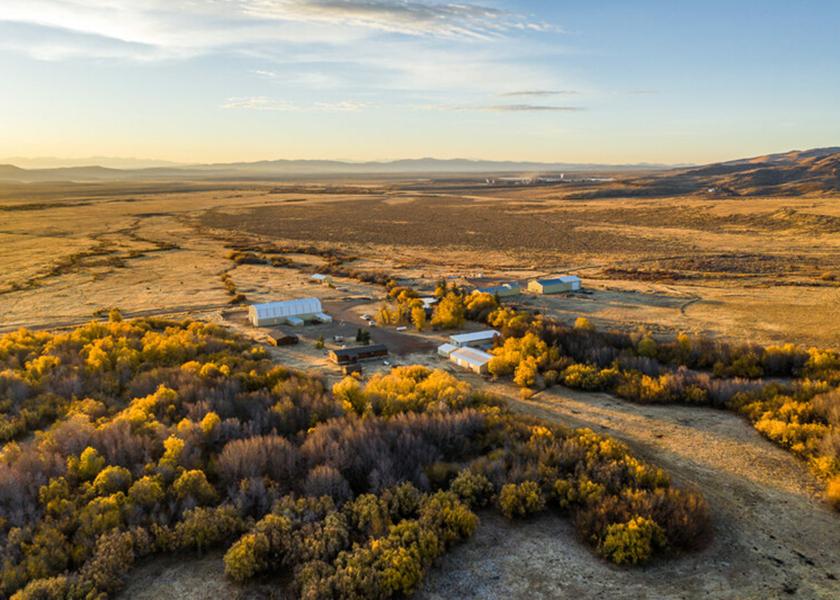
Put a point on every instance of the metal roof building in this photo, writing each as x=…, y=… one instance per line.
x=566, y=283
x=476, y=338
x=502, y=290
x=471, y=359
x=293, y=312
x=346, y=356
x=446, y=349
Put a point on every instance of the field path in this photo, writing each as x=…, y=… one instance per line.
x=773, y=537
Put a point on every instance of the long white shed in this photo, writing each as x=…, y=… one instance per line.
x=475, y=338
x=292, y=312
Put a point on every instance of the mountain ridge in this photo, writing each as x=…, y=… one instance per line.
x=267, y=169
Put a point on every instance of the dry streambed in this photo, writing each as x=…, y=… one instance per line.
x=773, y=537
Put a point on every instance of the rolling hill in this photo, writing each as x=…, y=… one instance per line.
x=796, y=173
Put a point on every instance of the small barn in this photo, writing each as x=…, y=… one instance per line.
x=286, y=340
x=503, y=290
x=471, y=359
x=475, y=339
x=445, y=350
x=348, y=356
x=290, y=312
x=554, y=285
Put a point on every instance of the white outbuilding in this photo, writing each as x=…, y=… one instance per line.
x=445, y=350
x=471, y=359
x=290, y=312
x=473, y=339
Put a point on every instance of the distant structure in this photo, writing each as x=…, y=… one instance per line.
x=288, y=312
x=286, y=340
x=555, y=285
x=321, y=279
x=429, y=304
x=503, y=290
x=471, y=359
x=445, y=350
x=350, y=356
x=476, y=339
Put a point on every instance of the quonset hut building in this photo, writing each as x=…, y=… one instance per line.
x=289, y=312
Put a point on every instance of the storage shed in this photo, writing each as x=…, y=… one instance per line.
x=348, y=356
x=286, y=340
x=475, y=339
x=292, y=312
x=471, y=359
x=554, y=285
x=445, y=350
x=503, y=290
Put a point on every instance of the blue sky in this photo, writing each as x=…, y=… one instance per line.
x=599, y=81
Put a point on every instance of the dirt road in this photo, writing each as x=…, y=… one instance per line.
x=773, y=538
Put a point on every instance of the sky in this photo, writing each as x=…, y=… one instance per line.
x=607, y=81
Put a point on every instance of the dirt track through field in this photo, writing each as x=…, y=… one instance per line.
x=773, y=538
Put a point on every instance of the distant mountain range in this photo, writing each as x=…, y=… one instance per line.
x=272, y=169
x=793, y=173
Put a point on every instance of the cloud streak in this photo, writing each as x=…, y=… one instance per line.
x=264, y=103
x=410, y=17
x=538, y=93
x=504, y=108
x=530, y=108
x=160, y=28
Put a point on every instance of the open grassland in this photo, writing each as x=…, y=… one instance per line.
x=760, y=270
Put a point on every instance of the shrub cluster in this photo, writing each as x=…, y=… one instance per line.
x=802, y=414
x=180, y=437
x=453, y=308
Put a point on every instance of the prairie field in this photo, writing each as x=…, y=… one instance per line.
x=762, y=270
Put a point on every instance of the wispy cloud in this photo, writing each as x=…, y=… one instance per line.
x=158, y=28
x=529, y=108
x=411, y=17
x=538, y=93
x=274, y=104
x=502, y=108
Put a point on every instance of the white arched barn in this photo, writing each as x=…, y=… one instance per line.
x=289, y=312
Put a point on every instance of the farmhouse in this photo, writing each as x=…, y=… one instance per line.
x=503, y=290
x=471, y=359
x=291, y=312
x=476, y=339
x=348, y=356
x=566, y=283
